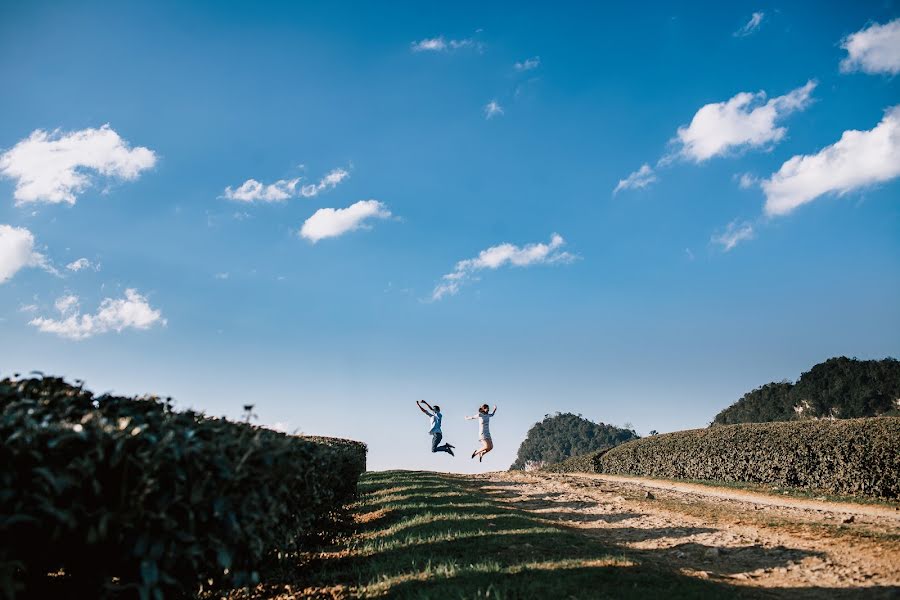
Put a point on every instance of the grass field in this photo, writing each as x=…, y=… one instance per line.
x=429, y=535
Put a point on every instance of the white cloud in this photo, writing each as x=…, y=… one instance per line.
x=875, y=49
x=751, y=26
x=734, y=234
x=639, y=179
x=439, y=44
x=746, y=180
x=499, y=256
x=430, y=45
x=330, y=181
x=857, y=160
x=283, y=189
x=53, y=167
x=17, y=251
x=255, y=191
x=222, y=276
x=81, y=264
x=332, y=222
x=528, y=64
x=742, y=121
x=130, y=312
x=492, y=109
x=66, y=304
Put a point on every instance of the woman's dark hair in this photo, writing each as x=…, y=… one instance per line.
x=437, y=408
x=484, y=408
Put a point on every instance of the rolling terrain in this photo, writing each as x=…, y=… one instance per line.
x=542, y=535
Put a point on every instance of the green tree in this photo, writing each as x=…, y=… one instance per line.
x=840, y=387
x=562, y=435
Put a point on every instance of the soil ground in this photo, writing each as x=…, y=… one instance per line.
x=744, y=538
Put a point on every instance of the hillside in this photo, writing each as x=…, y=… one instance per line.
x=841, y=387
x=562, y=435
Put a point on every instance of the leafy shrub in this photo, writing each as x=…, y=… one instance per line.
x=852, y=456
x=562, y=435
x=583, y=463
x=127, y=495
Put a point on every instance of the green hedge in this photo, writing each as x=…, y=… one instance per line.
x=852, y=456
x=583, y=463
x=127, y=495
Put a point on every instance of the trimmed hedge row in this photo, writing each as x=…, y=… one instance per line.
x=583, y=463
x=128, y=496
x=851, y=456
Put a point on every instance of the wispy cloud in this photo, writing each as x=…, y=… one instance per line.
x=734, y=234
x=857, y=160
x=81, y=264
x=875, y=49
x=746, y=180
x=639, y=179
x=330, y=181
x=17, y=252
x=528, y=64
x=255, y=191
x=440, y=44
x=744, y=121
x=283, y=189
x=332, y=222
x=114, y=314
x=492, y=109
x=53, y=166
x=751, y=26
x=498, y=256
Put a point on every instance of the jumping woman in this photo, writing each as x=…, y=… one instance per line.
x=484, y=430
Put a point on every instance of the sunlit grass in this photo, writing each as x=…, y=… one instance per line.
x=424, y=535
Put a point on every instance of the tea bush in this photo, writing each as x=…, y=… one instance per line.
x=125, y=495
x=850, y=456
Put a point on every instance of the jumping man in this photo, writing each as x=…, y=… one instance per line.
x=435, y=413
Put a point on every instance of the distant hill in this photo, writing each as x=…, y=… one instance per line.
x=841, y=388
x=562, y=435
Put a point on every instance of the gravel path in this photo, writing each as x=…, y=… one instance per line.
x=746, y=538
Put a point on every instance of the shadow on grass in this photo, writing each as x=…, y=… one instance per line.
x=607, y=582
x=443, y=537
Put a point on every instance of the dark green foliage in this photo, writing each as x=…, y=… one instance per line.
x=582, y=463
x=841, y=387
x=851, y=456
x=105, y=487
x=562, y=435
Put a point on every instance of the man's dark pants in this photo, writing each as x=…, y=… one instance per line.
x=435, y=440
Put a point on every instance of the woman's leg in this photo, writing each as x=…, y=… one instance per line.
x=486, y=446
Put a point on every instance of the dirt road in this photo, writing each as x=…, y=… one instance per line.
x=745, y=538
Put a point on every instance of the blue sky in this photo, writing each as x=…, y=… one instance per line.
x=725, y=264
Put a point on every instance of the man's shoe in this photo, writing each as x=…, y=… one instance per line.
x=450, y=445
x=474, y=453
x=450, y=451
